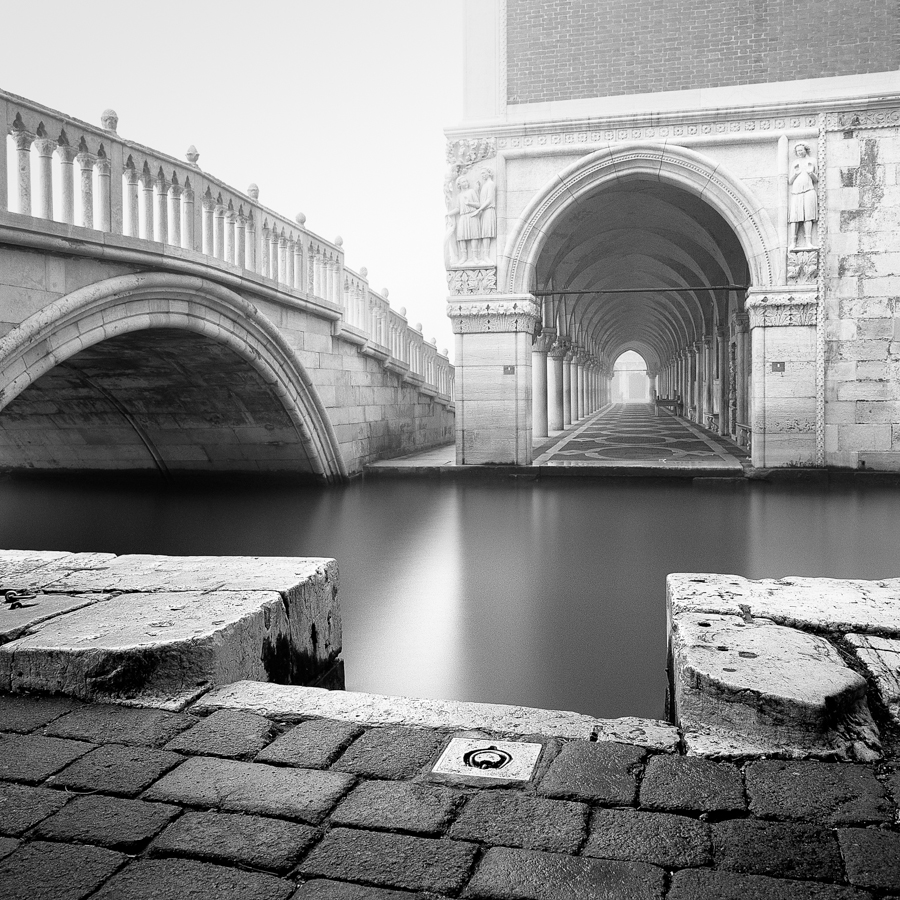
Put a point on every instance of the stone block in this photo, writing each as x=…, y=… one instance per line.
x=391, y=860
x=520, y=820
x=116, y=769
x=390, y=753
x=824, y=793
x=111, y=822
x=228, y=733
x=777, y=849
x=252, y=788
x=532, y=875
x=864, y=437
x=30, y=758
x=325, y=889
x=397, y=806
x=174, y=879
x=598, y=772
x=7, y=846
x=881, y=657
x=43, y=870
x=311, y=745
x=701, y=884
x=22, y=807
x=659, y=838
x=678, y=783
x=252, y=841
x=872, y=857
x=22, y=713
x=109, y=724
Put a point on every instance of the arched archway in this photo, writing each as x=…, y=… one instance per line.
x=631, y=379
x=166, y=325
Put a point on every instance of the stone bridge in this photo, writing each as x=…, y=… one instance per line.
x=154, y=318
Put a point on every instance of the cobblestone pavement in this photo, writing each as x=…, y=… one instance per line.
x=632, y=433
x=122, y=803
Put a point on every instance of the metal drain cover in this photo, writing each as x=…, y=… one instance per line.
x=507, y=760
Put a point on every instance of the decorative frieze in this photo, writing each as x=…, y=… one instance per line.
x=472, y=281
x=468, y=151
x=518, y=313
x=871, y=118
x=781, y=310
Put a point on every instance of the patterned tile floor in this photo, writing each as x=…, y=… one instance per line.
x=631, y=435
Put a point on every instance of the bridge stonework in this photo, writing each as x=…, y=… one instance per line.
x=181, y=326
x=735, y=226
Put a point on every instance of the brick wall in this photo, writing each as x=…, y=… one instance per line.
x=570, y=49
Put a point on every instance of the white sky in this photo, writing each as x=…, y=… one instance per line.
x=333, y=107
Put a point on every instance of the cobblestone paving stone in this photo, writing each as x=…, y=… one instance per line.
x=95, y=804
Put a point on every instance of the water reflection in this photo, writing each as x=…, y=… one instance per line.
x=546, y=594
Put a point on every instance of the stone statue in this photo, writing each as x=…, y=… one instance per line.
x=468, y=231
x=487, y=212
x=804, y=203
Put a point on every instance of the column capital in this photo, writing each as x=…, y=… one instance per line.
x=494, y=313
x=23, y=139
x=544, y=341
x=86, y=161
x=45, y=147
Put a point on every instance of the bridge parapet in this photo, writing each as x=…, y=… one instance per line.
x=124, y=188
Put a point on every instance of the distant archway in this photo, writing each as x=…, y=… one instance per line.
x=631, y=381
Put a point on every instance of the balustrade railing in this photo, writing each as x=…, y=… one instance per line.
x=128, y=189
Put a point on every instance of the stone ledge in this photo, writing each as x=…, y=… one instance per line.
x=292, y=703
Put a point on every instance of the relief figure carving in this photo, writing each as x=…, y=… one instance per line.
x=803, y=210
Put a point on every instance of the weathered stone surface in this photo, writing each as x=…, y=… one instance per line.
x=116, y=769
x=225, y=733
x=311, y=745
x=111, y=724
x=22, y=807
x=42, y=569
x=289, y=702
x=600, y=772
x=108, y=821
x=701, y=884
x=397, y=806
x=18, y=622
x=253, y=788
x=881, y=657
x=681, y=783
x=826, y=604
x=826, y=793
x=749, y=687
x=777, y=849
x=23, y=713
x=14, y=564
x=32, y=757
x=7, y=845
x=43, y=871
x=520, y=820
x=325, y=889
x=391, y=860
x=235, y=840
x=175, y=879
x=390, y=752
x=530, y=875
x=659, y=838
x=872, y=857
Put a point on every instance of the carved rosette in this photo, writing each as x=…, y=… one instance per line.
x=781, y=310
x=803, y=267
x=485, y=315
x=467, y=152
x=472, y=282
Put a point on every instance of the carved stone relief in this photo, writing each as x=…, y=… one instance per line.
x=803, y=266
x=472, y=281
x=470, y=199
x=470, y=317
x=782, y=311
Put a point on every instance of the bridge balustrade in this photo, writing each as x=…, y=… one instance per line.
x=128, y=189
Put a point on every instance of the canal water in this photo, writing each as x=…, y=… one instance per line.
x=547, y=594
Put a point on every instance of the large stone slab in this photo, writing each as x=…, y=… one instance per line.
x=291, y=703
x=39, y=569
x=165, y=646
x=881, y=657
x=748, y=687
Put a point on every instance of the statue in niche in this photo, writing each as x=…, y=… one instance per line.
x=487, y=212
x=468, y=230
x=803, y=210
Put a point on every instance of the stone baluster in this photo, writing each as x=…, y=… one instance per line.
x=264, y=250
x=187, y=216
x=86, y=163
x=104, y=192
x=45, y=148
x=130, y=225
x=273, y=254
x=23, y=141
x=315, y=271
x=240, y=239
x=175, y=192
x=229, y=225
x=66, y=182
x=251, y=246
x=219, y=228
x=209, y=208
x=161, y=219
x=298, y=263
x=147, y=187
x=283, y=260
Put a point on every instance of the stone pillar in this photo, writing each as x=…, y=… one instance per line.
x=104, y=194
x=147, y=187
x=741, y=321
x=539, y=364
x=187, y=217
x=240, y=240
x=45, y=150
x=209, y=209
x=132, y=216
x=722, y=355
x=219, y=230
x=23, y=140
x=230, y=228
x=578, y=392
x=86, y=162
x=567, y=389
x=273, y=254
x=493, y=376
x=250, y=248
x=67, y=183
x=175, y=213
x=161, y=220
x=556, y=385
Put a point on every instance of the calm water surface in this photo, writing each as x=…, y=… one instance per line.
x=546, y=594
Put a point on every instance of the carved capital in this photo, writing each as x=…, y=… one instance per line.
x=494, y=313
x=86, y=161
x=104, y=166
x=560, y=349
x=23, y=139
x=472, y=282
x=543, y=342
x=45, y=147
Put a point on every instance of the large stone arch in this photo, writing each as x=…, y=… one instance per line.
x=131, y=303
x=694, y=172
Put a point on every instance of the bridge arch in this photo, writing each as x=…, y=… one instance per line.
x=694, y=172
x=127, y=304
